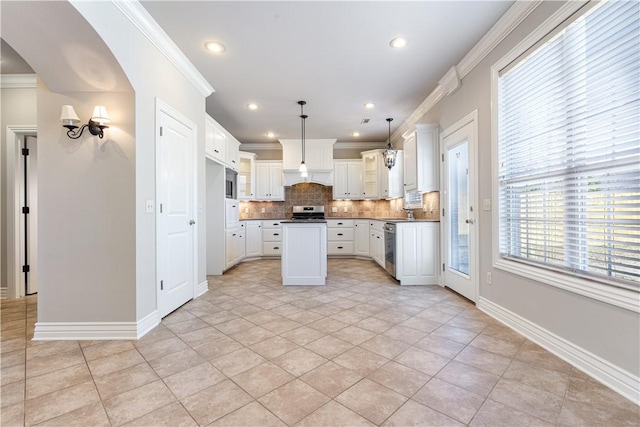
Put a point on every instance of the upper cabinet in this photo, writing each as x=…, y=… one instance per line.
x=269, y=184
x=232, y=153
x=378, y=181
x=215, y=140
x=246, y=176
x=421, y=172
x=347, y=179
x=318, y=158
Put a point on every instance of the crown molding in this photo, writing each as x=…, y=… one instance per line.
x=138, y=15
x=249, y=146
x=505, y=25
x=18, y=81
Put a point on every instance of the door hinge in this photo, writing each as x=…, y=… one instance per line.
x=25, y=209
x=160, y=207
x=25, y=151
x=26, y=268
x=442, y=211
x=162, y=285
x=160, y=130
x=443, y=266
x=442, y=157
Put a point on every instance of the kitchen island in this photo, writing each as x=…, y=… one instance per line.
x=304, y=252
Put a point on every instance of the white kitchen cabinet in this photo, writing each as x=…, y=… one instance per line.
x=234, y=245
x=232, y=152
x=304, y=255
x=340, y=236
x=269, y=185
x=421, y=161
x=271, y=238
x=318, y=154
x=378, y=181
x=231, y=213
x=376, y=241
x=417, y=253
x=253, y=238
x=246, y=176
x=215, y=140
x=347, y=179
x=361, y=238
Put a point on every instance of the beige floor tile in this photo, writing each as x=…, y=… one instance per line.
x=533, y=401
x=187, y=326
x=234, y=326
x=449, y=399
x=304, y=317
x=327, y=325
x=494, y=414
x=12, y=345
x=299, y=361
x=218, y=348
x=470, y=378
x=334, y=414
x=158, y=349
x=201, y=335
x=12, y=393
x=281, y=326
x=374, y=324
x=303, y=335
x=485, y=360
x=413, y=414
x=127, y=379
x=293, y=401
x=546, y=379
x=331, y=378
x=11, y=374
x=215, y=402
x=371, y=400
x=12, y=358
x=48, y=363
x=404, y=334
x=285, y=310
x=384, y=346
x=219, y=317
x=469, y=324
x=92, y=415
x=12, y=415
x=349, y=317
x=422, y=360
x=583, y=414
x=262, y=379
x=354, y=334
x=399, y=378
x=253, y=414
x=176, y=362
x=173, y=415
x=115, y=362
x=57, y=380
x=361, y=361
x=44, y=349
x=135, y=403
x=178, y=316
x=507, y=348
x=238, y=361
x=159, y=333
x=439, y=345
x=60, y=402
x=192, y=380
x=261, y=317
x=273, y=347
x=252, y=335
x=106, y=348
x=329, y=346
x=460, y=335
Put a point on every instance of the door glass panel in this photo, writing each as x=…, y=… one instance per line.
x=458, y=201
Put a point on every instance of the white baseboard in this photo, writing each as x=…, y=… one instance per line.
x=4, y=293
x=614, y=377
x=202, y=287
x=54, y=331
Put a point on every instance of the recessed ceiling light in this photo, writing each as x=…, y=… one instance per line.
x=369, y=105
x=252, y=106
x=356, y=134
x=270, y=135
x=398, y=42
x=215, y=47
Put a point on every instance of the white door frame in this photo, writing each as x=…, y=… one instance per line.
x=162, y=106
x=474, y=274
x=14, y=269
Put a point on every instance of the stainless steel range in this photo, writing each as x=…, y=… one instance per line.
x=308, y=212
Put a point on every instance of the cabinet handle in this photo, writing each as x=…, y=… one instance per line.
x=339, y=247
x=233, y=161
x=339, y=223
x=275, y=223
x=216, y=151
x=233, y=235
x=276, y=247
x=340, y=234
x=276, y=234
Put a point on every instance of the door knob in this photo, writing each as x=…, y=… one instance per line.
x=191, y=222
x=469, y=221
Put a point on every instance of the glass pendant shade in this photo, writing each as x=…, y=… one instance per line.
x=303, y=167
x=389, y=157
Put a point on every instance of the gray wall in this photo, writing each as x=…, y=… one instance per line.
x=17, y=107
x=605, y=330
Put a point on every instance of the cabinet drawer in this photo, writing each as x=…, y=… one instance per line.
x=339, y=234
x=339, y=223
x=376, y=225
x=271, y=235
x=340, y=248
x=271, y=223
x=271, y=249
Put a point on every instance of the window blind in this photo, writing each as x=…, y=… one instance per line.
x=569, y=149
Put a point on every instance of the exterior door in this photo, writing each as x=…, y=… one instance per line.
x=175, y=161
x=460, y=230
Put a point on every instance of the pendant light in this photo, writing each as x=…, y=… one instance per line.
x=303, y=167
x=389, y=154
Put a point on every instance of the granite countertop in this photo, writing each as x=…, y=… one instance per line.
x=303, y=221
x=339, y=218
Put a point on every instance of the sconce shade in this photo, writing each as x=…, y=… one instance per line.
x=68, y=116
x=100, y=115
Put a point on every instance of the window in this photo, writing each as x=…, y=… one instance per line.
x=568, y=148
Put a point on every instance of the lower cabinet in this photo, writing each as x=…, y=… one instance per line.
x=361, y=238
x=417, y=253
x=253, y=243
x=234, y=245
x=271, y=238
x=340, y=237
x=376, y=241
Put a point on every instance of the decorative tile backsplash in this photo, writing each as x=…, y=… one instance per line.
x=316, y=194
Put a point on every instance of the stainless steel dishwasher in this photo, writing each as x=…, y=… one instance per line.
x=390, y=248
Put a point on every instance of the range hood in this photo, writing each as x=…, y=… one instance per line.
x=318, y=158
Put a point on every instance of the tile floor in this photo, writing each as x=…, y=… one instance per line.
x=360, y=351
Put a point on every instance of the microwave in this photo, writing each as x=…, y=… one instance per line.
x=230, y=184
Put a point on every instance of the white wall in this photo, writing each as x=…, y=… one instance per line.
x=17, y=107
x=609, y=332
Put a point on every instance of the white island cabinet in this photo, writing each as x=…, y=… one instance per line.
x=304, y=252
x=417, y=252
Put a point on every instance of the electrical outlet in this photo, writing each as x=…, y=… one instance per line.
x=246, y=210
x=263, y=210
x=346, y=209
x=334, y=209
x=488, y=277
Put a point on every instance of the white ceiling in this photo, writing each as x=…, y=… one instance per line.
x=11, y=62
x=333, y=54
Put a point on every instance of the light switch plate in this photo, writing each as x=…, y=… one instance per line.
x=263, y=210
x=486, y=204
x=149, y=206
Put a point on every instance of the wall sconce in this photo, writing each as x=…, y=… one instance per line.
x=97, y=122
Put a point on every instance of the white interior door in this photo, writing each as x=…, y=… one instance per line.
x=459, y=220
x=175, y=160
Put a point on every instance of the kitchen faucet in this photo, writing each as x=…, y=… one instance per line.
x=409, y=214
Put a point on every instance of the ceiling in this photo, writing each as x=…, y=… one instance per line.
x=333, y=54
x=11, y=62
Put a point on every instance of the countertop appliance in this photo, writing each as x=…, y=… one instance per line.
x=308, y=212
x=390, y=248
